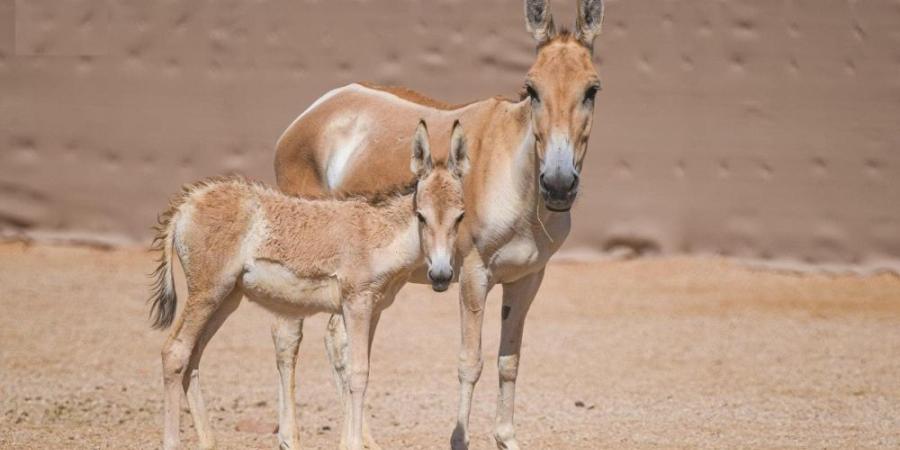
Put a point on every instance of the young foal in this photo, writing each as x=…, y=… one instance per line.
x=298, y=257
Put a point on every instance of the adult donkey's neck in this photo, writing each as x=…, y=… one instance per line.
x=503, y=188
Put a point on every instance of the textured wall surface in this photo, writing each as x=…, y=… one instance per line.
x=763, y=129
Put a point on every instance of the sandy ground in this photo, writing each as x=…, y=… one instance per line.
x=667, y=353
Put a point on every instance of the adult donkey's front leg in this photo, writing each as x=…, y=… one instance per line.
x=474, y=285
x=517, y=298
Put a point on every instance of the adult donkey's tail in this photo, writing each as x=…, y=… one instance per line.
x=163, y=299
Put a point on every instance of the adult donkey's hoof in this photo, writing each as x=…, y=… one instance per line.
x=459, y=440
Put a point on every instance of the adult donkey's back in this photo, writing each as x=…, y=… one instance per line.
x=526, y=158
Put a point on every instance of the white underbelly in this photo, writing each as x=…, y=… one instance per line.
x=277, y=288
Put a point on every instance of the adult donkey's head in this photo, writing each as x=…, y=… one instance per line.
x=561, y=86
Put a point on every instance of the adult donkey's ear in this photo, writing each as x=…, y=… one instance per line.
x=589, y=21
x=539, y=21
x=458, y=160
x=421, y=163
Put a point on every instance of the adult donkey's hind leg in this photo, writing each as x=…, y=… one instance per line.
x=287, y=333
x=517, y=298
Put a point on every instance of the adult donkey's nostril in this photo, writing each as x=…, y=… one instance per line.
x=440, y=275
x=559, y=185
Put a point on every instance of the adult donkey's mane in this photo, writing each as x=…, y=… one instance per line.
x=422, y=99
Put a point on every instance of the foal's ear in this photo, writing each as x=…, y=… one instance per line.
x=588, y=21
x=458, y=160
x=421, y=163
x=539, y=21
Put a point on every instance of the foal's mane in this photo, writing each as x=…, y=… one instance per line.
x=376, y=199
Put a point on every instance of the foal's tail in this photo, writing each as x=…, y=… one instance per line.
x=163, y=299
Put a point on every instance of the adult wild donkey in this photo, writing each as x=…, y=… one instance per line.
x=298, y=257
x=526, y=159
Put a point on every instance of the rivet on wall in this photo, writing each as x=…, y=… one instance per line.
x=687, y=63
x=724, y=169
x=794, y=30
x=680, y=169
x=873, y=168
x=793, y=66
x=765, y=171
x=705, y=28
x=85, y=65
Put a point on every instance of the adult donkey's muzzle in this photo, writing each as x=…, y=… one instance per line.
x=559, y=176
x=440, y=277
x=559, y=180
x=559, y=191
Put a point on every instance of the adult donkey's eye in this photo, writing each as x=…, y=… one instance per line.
x=459, y=218
x=420, y=217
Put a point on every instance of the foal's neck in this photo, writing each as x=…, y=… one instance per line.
x=393, y=236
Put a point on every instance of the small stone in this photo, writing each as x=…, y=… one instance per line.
x=579, y=404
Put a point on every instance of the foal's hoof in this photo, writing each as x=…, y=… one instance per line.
x=508, y=444
x=285, y=445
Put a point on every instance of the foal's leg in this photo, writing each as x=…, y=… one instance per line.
x=336, y=348
x=517, y=298
x=357, y=320
x=338, y=356
x=474, y=285
x=287, y=333
x=176, y=358
x=192, y=381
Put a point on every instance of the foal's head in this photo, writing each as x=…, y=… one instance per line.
x=561, y=86
x=439, y=202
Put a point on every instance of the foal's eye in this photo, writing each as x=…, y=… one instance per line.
x=591, y=93
x=420, y=217
x=460, y=218
x=529, y=89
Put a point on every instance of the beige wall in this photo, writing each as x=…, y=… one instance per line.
x=759, y=128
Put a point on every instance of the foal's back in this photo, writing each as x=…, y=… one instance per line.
x=232, y=223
